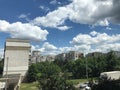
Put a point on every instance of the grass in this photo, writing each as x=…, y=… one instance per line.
x=76, y=81
x=33, y=86
x=29, y=86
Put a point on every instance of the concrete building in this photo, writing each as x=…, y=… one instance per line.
x=16, y=57
x=94, y=54
x=35, y=57
x=74, y=55
x=61, y=56
x=50, y=58
x=47, y=58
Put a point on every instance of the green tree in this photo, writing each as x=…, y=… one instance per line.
x=51, y=78
x=112, y=62
x=32, y=73
x=79, y=68
x=96, y=65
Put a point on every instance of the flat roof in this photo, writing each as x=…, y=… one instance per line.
x=17, y=40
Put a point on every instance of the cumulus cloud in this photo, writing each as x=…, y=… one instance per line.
x=49, y=47
x=23, y=30
x=93, y=33
x=92, y=12
x=96, y=41
x=90, y=39
x=92, y=42
x=53, y=19
x=79, y=48
x=46, y=49
x=108, y=47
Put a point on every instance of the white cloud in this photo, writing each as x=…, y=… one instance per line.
x=108, y=47
x=90, y=39
x=23, y=30
x=46, y=49
x=92, y=42
x=24, y=16
x=103, y=43
x=92, y=12
x=79, y=48
x=53, y=19
x=49, y=47
x=93, y=33
x=96, y=41
x=46, y=9
x=108, y=28
x=63, y=28
x=54, y=2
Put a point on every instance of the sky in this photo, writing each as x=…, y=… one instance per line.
x=59, y=26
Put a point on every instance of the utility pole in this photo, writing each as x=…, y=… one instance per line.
x=6, y=73
x=86, y=69
x=86, y=65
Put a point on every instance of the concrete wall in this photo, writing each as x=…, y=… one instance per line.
x=111, y=75
x=16, y=56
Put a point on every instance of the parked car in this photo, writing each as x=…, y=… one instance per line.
x=85, y=86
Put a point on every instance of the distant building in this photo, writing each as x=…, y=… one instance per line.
x=47, y=58
x=35, y=57
x=72, y=55
x=116, y=53
x=94, y=54
x=16, y=56
x=61, y=56
x=50, y=58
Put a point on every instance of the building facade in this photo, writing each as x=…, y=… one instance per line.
x=71, y=55
x=61, y=56
x=16, y=57
x=35, y=57
x=94, y=54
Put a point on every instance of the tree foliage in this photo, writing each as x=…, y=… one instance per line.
x=95, y=65
x=49, y=76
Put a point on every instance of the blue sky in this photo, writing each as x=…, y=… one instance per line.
x=57, y=26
